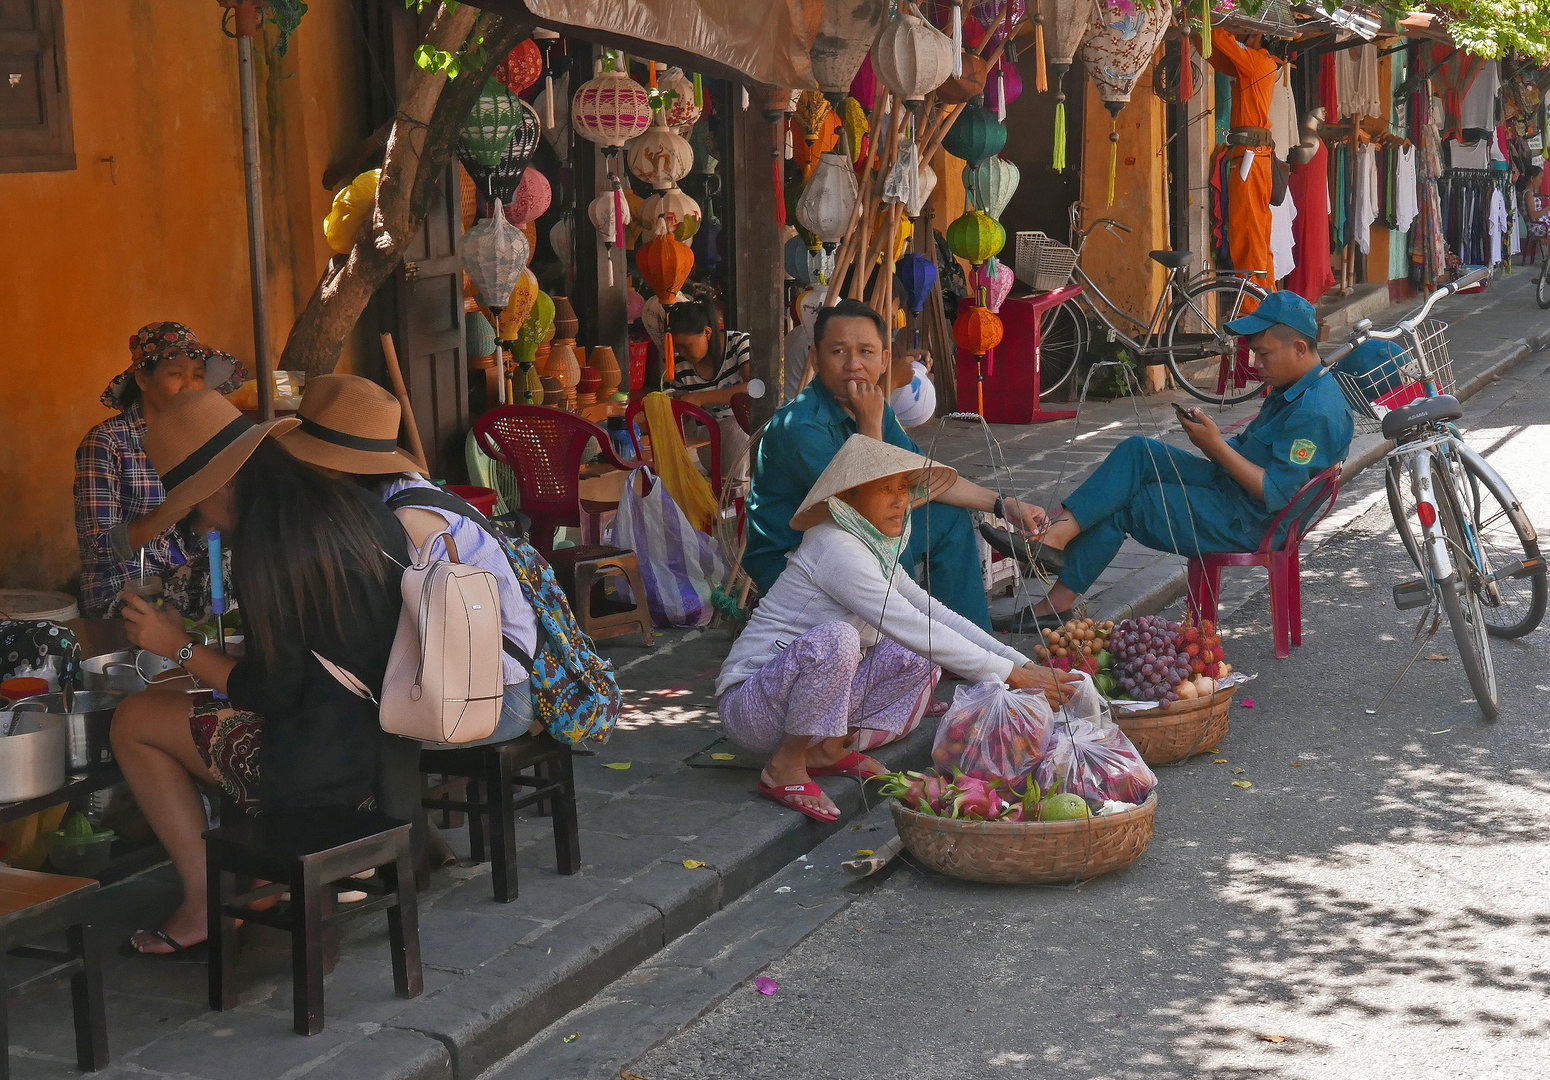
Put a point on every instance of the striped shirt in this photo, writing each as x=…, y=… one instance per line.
x=115, y=483
x=730, y=373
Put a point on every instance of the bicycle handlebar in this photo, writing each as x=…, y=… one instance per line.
x=1107, y=223
x=1363, y=331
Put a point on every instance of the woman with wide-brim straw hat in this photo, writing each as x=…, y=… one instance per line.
x=846, y=639
x=349, y=429
x=115, y=483
x=317, y=563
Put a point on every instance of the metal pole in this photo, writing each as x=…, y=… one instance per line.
x=247, y=28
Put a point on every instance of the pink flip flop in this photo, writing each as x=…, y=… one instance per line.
x=849, y=765
x=787, y=796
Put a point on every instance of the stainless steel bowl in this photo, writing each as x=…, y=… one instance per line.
x=88, y=717
x=114, y=672
x=32, y=756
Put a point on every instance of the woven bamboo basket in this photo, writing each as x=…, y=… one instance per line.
x=1175, y=732
x=1027, y=852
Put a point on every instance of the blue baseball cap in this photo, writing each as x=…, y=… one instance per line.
x=1284, y=307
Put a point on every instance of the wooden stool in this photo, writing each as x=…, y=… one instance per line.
x=581, y=570
x=492, y=773
x=305, y=852
x=32, y=905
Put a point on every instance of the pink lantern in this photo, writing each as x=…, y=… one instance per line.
x=992, y=16
x=532, y=198
x=997, y=286
x=610, y=110
x=864, y=86
x=634, y=305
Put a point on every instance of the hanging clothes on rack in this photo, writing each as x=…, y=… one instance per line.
x=1248, y=180
x=1430, y=255
x=1478, y=108
x=1311, y=275
x=1365, y=212
x=1283, y=113
x=1456, y=72
x=1356, y=81
x=1283, y=243
x=1329, y=98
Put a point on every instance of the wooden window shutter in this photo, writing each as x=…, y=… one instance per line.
x=35, y=133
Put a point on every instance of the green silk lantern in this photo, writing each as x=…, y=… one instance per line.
x=976, y=135
x=976, y=237
x=487, y=129
x=991, y=184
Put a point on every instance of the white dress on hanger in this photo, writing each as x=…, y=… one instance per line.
x=1405, y=197
x=1283, y=114
x=1283, y=259
x=1356, y=81
x=1497, y=224
x=1366, y=196
x=1478, y=110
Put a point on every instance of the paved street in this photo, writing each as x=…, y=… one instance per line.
x=1375, y=903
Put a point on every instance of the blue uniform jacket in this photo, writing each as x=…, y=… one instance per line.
x=1300, y=431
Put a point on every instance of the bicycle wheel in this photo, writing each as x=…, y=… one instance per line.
x=1513, y=606
x=1062, y=343
x=1461, y=600
x=1205, y=362
x=1542, y=286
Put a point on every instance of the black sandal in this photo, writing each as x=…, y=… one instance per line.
x=1027, y=552
x=180, y=954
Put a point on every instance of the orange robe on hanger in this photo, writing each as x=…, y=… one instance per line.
x=1248, y=199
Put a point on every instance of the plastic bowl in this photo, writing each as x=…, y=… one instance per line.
x=84, y=859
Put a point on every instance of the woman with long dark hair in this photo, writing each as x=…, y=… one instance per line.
x=712, y=367
x=316, y=563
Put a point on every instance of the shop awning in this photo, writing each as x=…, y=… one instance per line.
x=758, y=41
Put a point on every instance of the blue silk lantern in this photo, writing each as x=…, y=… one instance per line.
x=916, y=276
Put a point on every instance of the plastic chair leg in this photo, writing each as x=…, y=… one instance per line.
x=1294, y=592
x=1205, y=585
x=1280, y=606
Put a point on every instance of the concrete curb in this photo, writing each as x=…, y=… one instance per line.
x=1160, y=592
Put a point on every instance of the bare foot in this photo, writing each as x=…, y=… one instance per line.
x=779, y=778
x=186, y=926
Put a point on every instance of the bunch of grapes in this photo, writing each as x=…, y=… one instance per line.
x=1150, y=659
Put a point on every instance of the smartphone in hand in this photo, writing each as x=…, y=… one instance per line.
x=1184, y=413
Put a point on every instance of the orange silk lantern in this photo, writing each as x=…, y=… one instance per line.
x=806, y=151
x=665, y=263
x=978, y=331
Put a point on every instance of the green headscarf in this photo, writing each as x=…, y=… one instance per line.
x=887, y=549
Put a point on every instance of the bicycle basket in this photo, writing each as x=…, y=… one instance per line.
x=1374, y=389
x=1274, y=18
x=1043, y=265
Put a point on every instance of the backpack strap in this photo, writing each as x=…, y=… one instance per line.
x=348, y=681
x=437, y=499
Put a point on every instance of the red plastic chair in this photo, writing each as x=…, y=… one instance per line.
x=543, y=447
x=681, y=409
x=1312, y=503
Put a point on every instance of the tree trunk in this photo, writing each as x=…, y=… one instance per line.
x=430, y=111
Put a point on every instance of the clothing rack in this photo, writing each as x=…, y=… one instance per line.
x=1460, y=223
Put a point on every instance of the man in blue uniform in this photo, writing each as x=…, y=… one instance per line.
x=1171, y=500
x=849, y=356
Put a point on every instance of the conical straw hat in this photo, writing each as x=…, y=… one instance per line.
x=863, y=458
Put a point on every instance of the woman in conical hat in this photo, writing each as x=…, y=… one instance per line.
x=846, y=639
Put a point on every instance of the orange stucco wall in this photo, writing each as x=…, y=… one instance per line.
x=159, y=232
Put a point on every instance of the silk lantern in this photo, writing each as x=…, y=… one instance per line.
x=562, y=238
x=916, y=276
x=665, y=264
x=536, y=329
x=1114, y=54
x=976, y=135
x=846, y=33
x=672, y=211
x=523, y=67
x=487, y=129
x=1065, y=25
x=531, y=199
x=685, y=109
x=661, y=157
x=912, y=57
x=991, y=184
x=351, y=209
x=634, y=304
x=610, y=110
x=553, y=102
x=853, y=119
x=829, y=200
x=978, y=330
x=519, y=305
x=863, y=88
x=968, y=85
x=922, y=191
x=495, y=254
x=992, y=17
x=976, y=236
x=996, y=279
x=798, y=261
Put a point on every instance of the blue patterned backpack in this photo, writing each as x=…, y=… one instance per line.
x=575, y=695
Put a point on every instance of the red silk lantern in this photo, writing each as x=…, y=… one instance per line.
x=978, y=331
x=522, y=67
x=665, y=263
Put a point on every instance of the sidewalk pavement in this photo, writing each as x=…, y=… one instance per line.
x=495, y=974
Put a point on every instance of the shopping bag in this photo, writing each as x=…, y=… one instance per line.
x=993, y=733
x=679, y=565
x=1087, y=754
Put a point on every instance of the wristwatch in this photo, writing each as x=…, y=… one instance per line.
x=186, y=653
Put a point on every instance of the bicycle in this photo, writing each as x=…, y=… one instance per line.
x=1461, y=525
x=1204, y=362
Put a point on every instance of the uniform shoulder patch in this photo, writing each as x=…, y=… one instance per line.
x=1302, y=451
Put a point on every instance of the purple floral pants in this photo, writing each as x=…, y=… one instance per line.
x=824, y=685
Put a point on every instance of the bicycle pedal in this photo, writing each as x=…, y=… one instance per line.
x=1519, y=568
x=1412, y=594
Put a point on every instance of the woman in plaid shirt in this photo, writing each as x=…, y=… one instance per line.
x=115, y=484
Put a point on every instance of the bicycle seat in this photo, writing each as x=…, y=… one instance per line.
x=1432, y=410
x=1172, y=260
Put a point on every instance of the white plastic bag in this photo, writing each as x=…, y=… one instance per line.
x=993, y=733
x=679, y=565
x=1088, y=755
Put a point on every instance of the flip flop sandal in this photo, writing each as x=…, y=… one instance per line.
x=849, y=765
x=180, y=954
x=787, y=794
x=1028, y=553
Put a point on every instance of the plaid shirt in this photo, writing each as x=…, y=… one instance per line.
x=114, y=483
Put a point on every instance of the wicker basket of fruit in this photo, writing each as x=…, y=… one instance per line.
x=1179, y=730
x=1176, y=665
x=1027, y=852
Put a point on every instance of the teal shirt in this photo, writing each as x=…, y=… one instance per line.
x=794, y=450
x=1300, y=431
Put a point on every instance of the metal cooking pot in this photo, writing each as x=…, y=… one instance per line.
x=88, y=716
x=115, y=672
x=32, y=755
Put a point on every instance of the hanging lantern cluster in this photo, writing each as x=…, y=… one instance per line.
x=608, y=110
x=846, y=33
x=829, y=200
x=661, y=157
x=1119, y=46
x=496, y=142
x=976, y=237
x=991, y=183
x=911, y=57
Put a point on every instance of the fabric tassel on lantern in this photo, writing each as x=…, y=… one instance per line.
x=1040, y=76
x=778, y=165
x=1059, y=163
x=699, y=92
x=1113, y=155
x=1205, y=29
x=1186, y=68
x=957, y=36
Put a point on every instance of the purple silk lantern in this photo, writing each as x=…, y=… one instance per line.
x=864, y=86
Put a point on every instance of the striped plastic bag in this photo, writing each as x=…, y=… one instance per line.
x=679, y=565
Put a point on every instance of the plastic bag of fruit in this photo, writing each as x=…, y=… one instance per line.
x=1088, y=755
x=992, y=733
